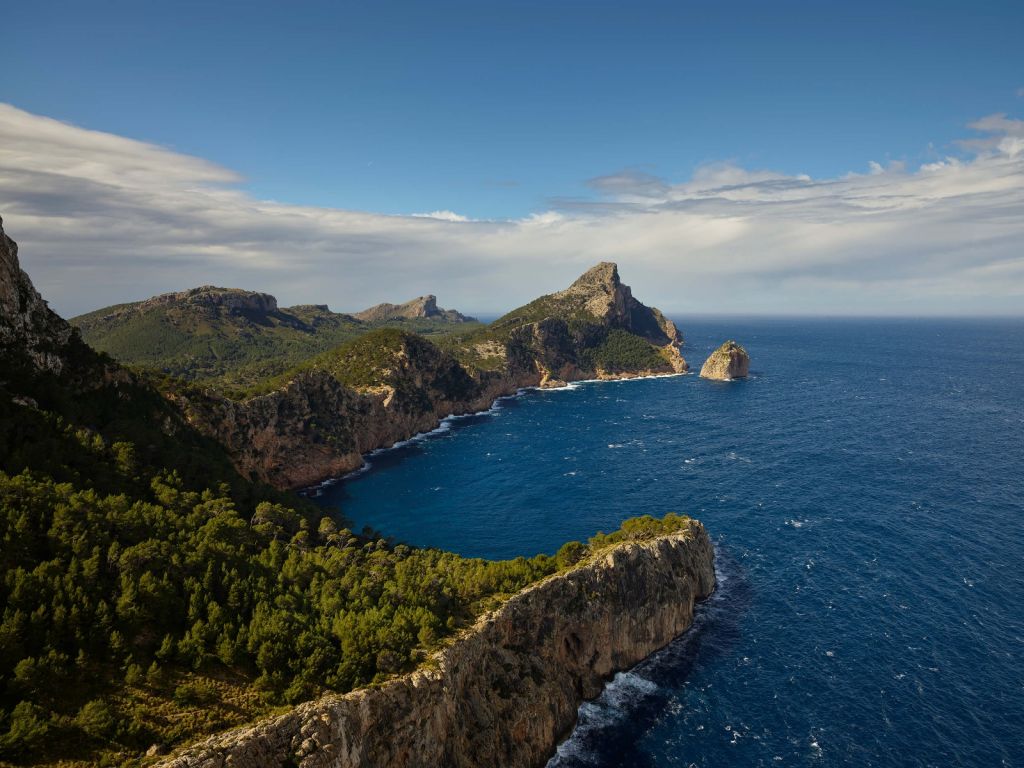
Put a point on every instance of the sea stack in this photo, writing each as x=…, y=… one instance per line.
x=729, y=361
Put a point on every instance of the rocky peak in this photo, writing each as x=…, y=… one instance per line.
x=28, y=327
x=607, y=298
x=420, y=307
x=602, y=276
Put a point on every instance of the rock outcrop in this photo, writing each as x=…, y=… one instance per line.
x=424, y=307
x=230, y=299
x=603, y=295
x=32, y=336
x=320, y=422
x=729, y=361
x=561, y=336
x=508, y=690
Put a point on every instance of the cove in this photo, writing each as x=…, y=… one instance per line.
x=863, y=491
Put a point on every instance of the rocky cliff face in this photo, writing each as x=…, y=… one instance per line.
x=422, y=307
x=729, y=361
x=508, y=690
x=320, y=423
x=388, y=386
x=560, y=336
x=31, y=334
x=603, y=295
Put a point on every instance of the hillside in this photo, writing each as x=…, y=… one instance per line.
x=316, y=420
x=595, y=328
x=232, y=337
x=151, y=595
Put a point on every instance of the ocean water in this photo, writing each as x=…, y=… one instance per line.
x=865, y=490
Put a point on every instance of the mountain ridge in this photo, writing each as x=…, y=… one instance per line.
x=420, y=307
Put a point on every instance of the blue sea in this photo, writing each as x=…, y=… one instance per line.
x=865, y=490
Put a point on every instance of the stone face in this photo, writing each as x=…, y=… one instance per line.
x=605, y=296
x=315, y=427
x=507, y=691
x=729, y=361
x=422, y=307
x=29, y=330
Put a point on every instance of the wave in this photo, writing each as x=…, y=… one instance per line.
x=621, y=703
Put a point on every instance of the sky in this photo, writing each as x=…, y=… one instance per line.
x=733, y=157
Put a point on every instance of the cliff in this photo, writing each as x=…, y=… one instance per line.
x=508, y=690
x=33, y=338
x=595, y=328
x=381, y=388
x=423, y=307
x=729, y=361
x=316, y=420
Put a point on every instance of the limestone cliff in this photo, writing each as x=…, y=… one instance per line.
x=380, y=389
x=505, y=692
x=423, y=307
x=595, y=328
x=729, y=361
x=32, y=336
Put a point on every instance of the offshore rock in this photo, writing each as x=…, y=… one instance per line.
x=506, y=691
x=729, y=361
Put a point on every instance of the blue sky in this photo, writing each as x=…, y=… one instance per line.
x=769, y=157
x=496, y=109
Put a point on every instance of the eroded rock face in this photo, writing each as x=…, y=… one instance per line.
x=506, y=692
x=315, y=427
x=606, y=297
x=729, y=361
x=29, y=329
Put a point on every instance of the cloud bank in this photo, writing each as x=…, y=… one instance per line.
x=103, y=219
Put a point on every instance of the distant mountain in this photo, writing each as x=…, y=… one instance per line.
x=422, y=307
x=239, y=337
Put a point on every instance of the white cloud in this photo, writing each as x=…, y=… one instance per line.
x=103, y=219
x=442, y=216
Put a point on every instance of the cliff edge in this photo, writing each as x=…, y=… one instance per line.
x=507, y=691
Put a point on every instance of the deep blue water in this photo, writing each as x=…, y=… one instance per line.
x=865, y=488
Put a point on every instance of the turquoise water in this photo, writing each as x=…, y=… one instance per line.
x=865, y=489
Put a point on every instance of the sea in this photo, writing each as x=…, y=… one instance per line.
x=864, y=488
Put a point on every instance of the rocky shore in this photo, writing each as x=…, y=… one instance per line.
x=506, y=691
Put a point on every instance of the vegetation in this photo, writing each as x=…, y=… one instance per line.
x=570, y=308
x=229, y=347
x=623, y=351
x=150, y=596
x=382, y=357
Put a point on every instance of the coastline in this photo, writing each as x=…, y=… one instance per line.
x=315, y=490
x=506, y=691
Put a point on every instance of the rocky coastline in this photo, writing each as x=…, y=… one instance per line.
x=506, y=691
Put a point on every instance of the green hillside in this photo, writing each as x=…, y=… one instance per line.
x=151, y=596
x=229, y=337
